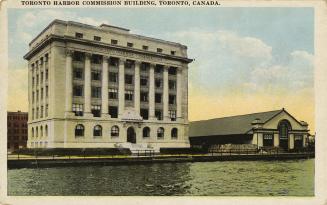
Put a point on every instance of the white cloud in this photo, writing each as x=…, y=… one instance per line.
x=226, y=61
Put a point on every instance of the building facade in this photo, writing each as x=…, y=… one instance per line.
x=275, y=128
x=16, y=130
x=105, y=87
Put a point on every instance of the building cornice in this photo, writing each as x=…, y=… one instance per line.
x=66, y=39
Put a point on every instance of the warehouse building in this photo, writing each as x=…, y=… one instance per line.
x=276, y=128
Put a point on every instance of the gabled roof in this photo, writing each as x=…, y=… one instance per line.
x=233, y=125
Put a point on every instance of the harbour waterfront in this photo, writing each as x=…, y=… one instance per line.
x=227, y=178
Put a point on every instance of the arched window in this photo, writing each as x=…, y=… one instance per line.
x=174, y=133
x=160, y=133
x=97, y=131
x=46, y=130
x=33, y=133
x=79, y=130
x=37, y=132
x=146, y=132
x=114, y=131
x=41, y=131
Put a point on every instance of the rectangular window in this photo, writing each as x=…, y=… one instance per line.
x=158, y=114
x=113, y=77
x=46, y=74
x=41, y=77
x=172, y=115
x=114, y=42
x=37, y=95
x=41, y=93
x=96, y=59
x=172, y=70
x=78, y=35
x=96, y=110
x=128, y=79
x=113, y=61
x=46, y=91
x=130, y=44
x=144, y=81
x=113, y=111
x=173, y=52
x=158, y=97
x=37, y=79
x=37, y=113
x=268, y=140
x=41, y=113
x=96, y=92
x=46, y=110
x=33, y=114
x=158, y=69
x=145, y=48
x=33, y=79
x=158, y=83
x=97, y=38
x=78, y=56
x=33, y=96
x=172, y=99
x=78, y=90
x=144, y=114
x=144, y=96
x=159, y=50
x=172, y=85
x=129, y=64
x=96, y=75
x=113, y=93
x=78, y=73
x=129, y=95
x=144, y=67
x=78, y=109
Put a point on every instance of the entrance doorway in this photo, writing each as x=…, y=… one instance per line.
x=131, y=135
x=284, y=127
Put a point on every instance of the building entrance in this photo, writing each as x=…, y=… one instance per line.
x=283, y=128
x=131, y=135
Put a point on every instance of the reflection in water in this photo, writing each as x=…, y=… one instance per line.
x=201, y=178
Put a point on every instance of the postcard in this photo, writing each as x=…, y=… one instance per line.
x=163, y=101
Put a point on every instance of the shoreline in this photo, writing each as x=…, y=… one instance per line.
x=47, y=162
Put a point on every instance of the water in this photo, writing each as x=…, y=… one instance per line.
x=231, y=178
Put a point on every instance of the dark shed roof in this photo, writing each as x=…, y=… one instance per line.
x=233, y=125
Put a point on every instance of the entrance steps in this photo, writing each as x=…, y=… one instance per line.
x=139, y=149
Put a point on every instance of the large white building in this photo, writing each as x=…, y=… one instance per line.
x=102, y=86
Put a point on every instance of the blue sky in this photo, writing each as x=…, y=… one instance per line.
x=247, y=52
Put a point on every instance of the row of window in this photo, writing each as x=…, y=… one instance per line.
x=46, y=76
x=17, y=131
x=16, y=138
x=41, y=94
x=17, y=117
x=39, y=131
x=128, y=44
x=78, y=91
x=114, y=132
x=129, y=79
x=17, y=124
x=38, y=113
x=78, y=109
x=268, y=138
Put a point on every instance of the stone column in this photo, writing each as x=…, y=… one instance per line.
x=137, y=87
x=179, y=94
x=151, y=93
x=87, y=85
x=69, y=83
x=121, y=87
x=104, y=87
x=165, y=94
x=291, y=141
